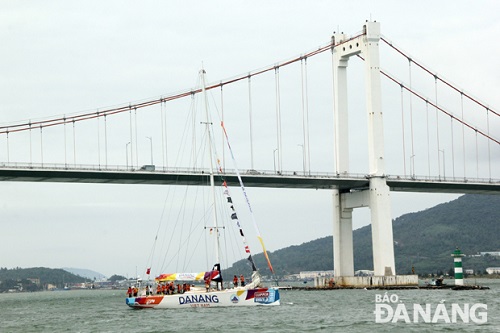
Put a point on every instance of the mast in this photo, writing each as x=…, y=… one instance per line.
x=212, y=182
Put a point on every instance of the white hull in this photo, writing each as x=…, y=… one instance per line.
x=228, y=297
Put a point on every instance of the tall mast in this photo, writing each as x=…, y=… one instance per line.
x=210, y=157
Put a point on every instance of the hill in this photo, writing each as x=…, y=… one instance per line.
x=86, y=273
x=423, y=240
x=36, y=278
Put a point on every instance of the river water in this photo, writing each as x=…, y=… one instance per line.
x=300, y=311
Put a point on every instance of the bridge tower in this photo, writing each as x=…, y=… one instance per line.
x=377, y=196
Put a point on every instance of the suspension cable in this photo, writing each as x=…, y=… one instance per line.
x=438, y=78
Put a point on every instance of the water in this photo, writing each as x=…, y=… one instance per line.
x=301, y=311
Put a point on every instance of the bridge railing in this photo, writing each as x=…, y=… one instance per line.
x=247, y=173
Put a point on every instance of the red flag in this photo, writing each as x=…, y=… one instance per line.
x=148, y=271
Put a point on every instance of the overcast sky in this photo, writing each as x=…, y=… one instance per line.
x=62, y=57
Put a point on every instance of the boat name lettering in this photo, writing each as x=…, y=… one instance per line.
x=198, y=299
x=261, y=294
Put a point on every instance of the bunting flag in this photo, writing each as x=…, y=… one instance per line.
x=234, y=216
x=148, y=271
x=247, y=200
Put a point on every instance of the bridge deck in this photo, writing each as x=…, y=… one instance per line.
x=344, y=183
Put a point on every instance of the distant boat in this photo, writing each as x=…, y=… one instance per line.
x=176, y=290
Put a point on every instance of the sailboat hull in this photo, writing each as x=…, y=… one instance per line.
x=228, y=297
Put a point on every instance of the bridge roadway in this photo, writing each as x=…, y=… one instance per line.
x=345, y=183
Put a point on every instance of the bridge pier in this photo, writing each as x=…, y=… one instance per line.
x=377, y=196
x=343, y=259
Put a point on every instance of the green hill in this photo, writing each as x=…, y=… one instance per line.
x=12, y=278
x=424, y=240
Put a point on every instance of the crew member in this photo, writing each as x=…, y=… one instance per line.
x=235, y=281
x=242, y=280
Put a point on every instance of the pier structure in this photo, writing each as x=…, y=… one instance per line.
x=377, y=195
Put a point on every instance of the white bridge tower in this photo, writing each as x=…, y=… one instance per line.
x=377, y=196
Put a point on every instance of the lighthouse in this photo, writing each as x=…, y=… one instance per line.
x=459, y=275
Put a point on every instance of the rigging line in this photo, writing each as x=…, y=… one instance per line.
x=174, y=96
x=250, y=119
x=242, y=186
x=438, y=78
x=403, y=130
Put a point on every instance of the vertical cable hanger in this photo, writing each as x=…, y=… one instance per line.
x=305, y=118
x=65, y=143
x=428, y=139
x=136, y=141
x=98, y=140
x=489, y=142
x=452, y=148
x=106, y=140
x=463, y=132
x=412, y=159
x=250, y=119
x=222, y=117
x=31, y=148
x=41, y=144
x=403, y=130
x=74, y=143
x=278, y=117
x=131, y=137
x=162, y=125
x=437, y=125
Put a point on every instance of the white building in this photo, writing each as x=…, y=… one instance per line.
x=494, y=253
x=313, y=274
x=493, y=270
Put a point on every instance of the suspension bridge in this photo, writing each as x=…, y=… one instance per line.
x=299, y=123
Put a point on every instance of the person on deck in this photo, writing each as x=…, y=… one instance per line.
x=129, y=291
x=235, y=281
x=158, y=289
x=242, y=280
x=135, y=291
x=207, y=284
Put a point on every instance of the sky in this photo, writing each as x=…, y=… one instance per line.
x=64, y=57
